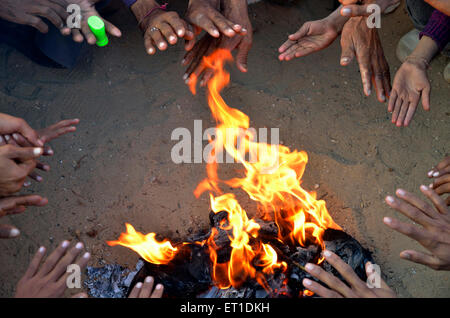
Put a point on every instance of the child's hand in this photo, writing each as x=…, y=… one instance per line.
x=441, y=175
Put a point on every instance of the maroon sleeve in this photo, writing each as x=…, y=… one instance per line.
x=438, y=28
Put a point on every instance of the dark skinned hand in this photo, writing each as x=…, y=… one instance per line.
x=355, y=287
x=441, y=176
x=242, y=42
x=47, y=279
x=432, y=230
x=356, y=8
x=15, y=205
x=31, y=12
x=362, y=42
x=145, y=290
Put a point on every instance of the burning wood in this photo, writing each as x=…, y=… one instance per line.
x=241, y=255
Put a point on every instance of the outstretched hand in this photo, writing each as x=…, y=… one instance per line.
x=362, y=42
x=355, y=287
x=433, y=232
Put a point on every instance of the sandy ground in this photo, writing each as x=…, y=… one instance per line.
x=117, y=167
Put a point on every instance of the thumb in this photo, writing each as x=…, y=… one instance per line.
x=242, y=55
x=355, y=11
x=300, y=33
x=8, y=231
x=24, y=153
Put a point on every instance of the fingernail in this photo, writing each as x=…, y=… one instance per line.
x=41, y=249
x=307, y=282
x=14, y=233
x=40, y=143
x=79, y=246
x=151, y=50
x=387, y=220
x=26, y=183
x=382, y=97
x=139, y=285
x=65, y=244
x=424, y=188
x=346, y=11
x=159, y=286
x=161, y=45
x=215, y=33
x=244, y=30
x=180, y=32
x=436, y=174
x=230, y=31
x=15, y=136
x=172, y=38
x=406, y=255
x=390, y=199
x=87, y=255
x=182, y=62
x=185, y=76
x=38, y=151
x=345, y=60
x=431, y=186
x=50, y=152
x=148, y=279
x=327, y=253
x=430, y=173
x=309, y=266
x=39, y=178
x=7, y=137
x=401, y=192
x=369, y=91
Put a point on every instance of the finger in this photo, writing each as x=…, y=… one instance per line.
x=421, y=258
x=178, y=25
x=442, y=184
x=87, y=33
x=136, y=291
x=112, y=29
x=242, y=55
x=80, y=295
x=365, y=69
x=392, y=100
x=286, y=45
x=402, y=114
x=289, y=54
x=61, y=267
x=21, y=126
x=36, y=23
x=206, y=24
x=147, y=287
x=379, y=87
x=77, y=36
x=319, y=289
x=148, y=43
x=355, y=11
x=58, y=129
x=2, y=141
x=10, y=203
x=345, y=270
x=435, y=173
x=27, y=167
x=443, y=164
x=302, y=32
x=207, y=75
x=410, y=113
x=348, y=51
x=36, y=261
x=397, y=108
x=225, y=26
x=409, y=230
x=36, y=177
x=8, y=231
x=48, y=13
x=54, y=258
x=435, y=197
x=409, y=210
x=426, y=97
x=158, y=292
x=332, y=281
x=23, y=153
x=158, y=39
x=168, y=33
x=81, y=262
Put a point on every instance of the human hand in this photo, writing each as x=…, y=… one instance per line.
x=313, y=36
x=47, y=279
x=434, y=234
x=15, y=205
x=242, y=42
x=84, y=33
x=31, y=12
x=45, y=135
x=205, y=15
x=354, y=8
x=441, y=183
x=16, y=163
x=410, y=85
x=10, y=125
x=356, y=288
x=146, y=290
x=363, y=42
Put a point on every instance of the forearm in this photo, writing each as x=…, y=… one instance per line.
x=426, y=49
x=441, y=5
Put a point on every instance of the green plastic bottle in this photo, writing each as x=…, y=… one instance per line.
x=97, y=27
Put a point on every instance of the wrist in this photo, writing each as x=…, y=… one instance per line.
x=141, y=7
x=417, y=61
x=336, y=20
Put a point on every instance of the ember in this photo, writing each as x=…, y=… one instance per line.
x=243, y=257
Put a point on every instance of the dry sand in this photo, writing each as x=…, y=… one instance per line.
x=117, y=168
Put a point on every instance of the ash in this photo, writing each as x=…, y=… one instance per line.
x=111, y=280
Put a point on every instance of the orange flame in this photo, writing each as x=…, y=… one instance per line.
x=146, y=246
x=272, y=178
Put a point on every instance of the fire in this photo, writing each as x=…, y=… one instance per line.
x=272, y=178
x=146, y=246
